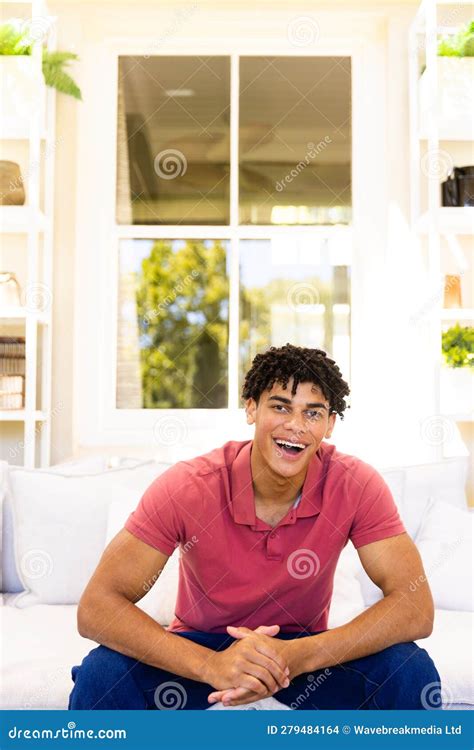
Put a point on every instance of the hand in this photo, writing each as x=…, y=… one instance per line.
x=252, y=663
x=239, y=695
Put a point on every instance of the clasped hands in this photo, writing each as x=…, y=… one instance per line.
x=256, y=665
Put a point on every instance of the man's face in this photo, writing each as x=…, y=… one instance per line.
x=289, y=429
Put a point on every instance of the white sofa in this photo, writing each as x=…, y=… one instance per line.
x=55, y=524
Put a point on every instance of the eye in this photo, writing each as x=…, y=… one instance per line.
x=277, y=407
x=314, y=415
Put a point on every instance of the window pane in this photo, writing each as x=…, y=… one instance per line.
x=295, y=292
x=172, y=324
x=173, y=140
x=295, y=140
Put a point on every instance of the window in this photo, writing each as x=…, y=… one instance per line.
x=228, y=242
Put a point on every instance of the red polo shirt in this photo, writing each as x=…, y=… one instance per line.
x=235, y=569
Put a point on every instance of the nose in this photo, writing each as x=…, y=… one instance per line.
x=296, y=422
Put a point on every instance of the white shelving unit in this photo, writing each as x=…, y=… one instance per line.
x=434, y=148
x=34, y=222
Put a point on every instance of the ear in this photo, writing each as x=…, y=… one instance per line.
x=250, y=410
x=331, y=423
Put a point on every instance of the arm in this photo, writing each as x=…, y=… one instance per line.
x=404, y=614
x=107, y=614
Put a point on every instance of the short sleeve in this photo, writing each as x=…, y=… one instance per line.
x=155, y=520
x=377, y=516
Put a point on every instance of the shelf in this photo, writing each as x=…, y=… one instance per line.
x=18, y=314
x=20, y=415
x=451, y=220
x=21, y=219
x=457, y=313
x=11, y=132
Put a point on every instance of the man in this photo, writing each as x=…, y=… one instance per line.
x=268, y=519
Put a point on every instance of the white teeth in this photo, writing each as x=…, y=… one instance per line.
x=291, y=445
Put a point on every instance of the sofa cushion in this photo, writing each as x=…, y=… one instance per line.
x=445, y=543
x=60, y=526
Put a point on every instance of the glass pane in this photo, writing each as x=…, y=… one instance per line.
x=297, y=292
x=173, y=140
x=172, y=324
x=295, y=140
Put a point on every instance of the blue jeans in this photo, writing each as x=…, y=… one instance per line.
x=399, y=677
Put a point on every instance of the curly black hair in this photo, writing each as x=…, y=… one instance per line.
x=279, y=365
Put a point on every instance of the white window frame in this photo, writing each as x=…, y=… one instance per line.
x=97, y=421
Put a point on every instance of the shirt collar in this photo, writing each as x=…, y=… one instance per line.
x=242, y=499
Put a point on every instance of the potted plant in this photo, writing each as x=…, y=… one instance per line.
x=454, y=102
x=23, y=81
x=457, y=376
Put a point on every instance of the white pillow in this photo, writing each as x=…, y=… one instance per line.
x=160, y=600
x=347, y=601
x=60, y=524
x=445, y=544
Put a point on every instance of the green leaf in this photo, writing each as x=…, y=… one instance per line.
x=56, y=77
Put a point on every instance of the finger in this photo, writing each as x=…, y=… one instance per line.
x=280, y=675
x=266, y=648
x=238, y=632
x=263, y=675
x=270, y=630
x=247, y=697
x=217, y=695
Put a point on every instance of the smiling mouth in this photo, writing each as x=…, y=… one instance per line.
x=289, y=448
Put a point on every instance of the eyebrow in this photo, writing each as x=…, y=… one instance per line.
x=288, y=401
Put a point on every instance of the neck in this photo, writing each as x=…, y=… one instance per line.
x=268, y=485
